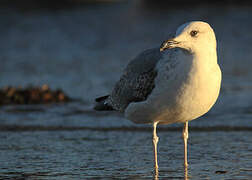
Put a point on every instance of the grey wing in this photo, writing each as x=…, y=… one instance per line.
x=137, y=81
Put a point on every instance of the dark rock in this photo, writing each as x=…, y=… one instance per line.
x=32, y=95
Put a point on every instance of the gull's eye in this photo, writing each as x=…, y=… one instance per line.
x=193, y=33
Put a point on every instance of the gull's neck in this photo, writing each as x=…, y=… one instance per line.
x=206, y=56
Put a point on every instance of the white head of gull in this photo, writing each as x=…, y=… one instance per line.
x=176, y=83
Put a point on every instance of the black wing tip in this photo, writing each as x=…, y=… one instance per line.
x=101, y=104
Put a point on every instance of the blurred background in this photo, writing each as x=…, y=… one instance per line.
x=82, y=46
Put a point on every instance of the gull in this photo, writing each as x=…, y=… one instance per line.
x=176, y=83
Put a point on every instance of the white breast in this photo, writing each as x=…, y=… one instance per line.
x=185, y=89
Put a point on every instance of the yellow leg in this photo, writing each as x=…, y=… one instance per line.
x=155, y=141
x=185, y=137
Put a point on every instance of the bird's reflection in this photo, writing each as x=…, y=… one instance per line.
x=156, y=173
x=186, y=173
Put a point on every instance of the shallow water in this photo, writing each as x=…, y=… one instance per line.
x=123, y=154
x=83, y=51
